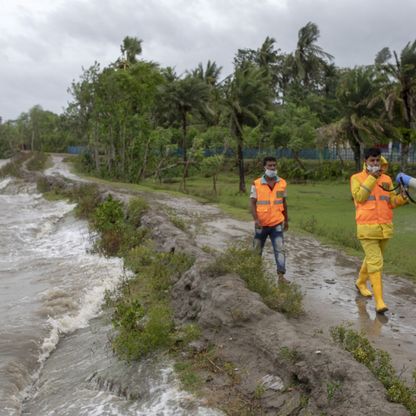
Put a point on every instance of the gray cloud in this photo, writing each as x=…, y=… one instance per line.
x=41, y=53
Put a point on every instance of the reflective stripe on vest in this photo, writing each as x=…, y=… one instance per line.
x=269, y=205
x=374, y=210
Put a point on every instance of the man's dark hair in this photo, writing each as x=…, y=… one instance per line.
x=269, y=159
x=372, y=151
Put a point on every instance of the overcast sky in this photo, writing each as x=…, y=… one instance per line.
x=45, y=43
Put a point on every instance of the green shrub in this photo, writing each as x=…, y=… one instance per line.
x=142, y=316
x=87, y=197
x=117, y=235
x=286, y=298
x=37, y=161
x=139, y=257
x=379, y=363
x=135, y=210
x=141, y=334
x=109, y=215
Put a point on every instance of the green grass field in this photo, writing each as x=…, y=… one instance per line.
x=325, y=210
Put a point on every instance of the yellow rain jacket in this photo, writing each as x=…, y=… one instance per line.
x=373, y=205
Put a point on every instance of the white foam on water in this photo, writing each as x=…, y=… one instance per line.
x=169, y=399
x=4, y=182
x=71, y=284
x=90, y=308
x=166, y=399
x=46, y=252
x=62, y=169
x=4, y=162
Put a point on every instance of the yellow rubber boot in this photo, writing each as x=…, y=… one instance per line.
x=375, y=279
x=361, y=282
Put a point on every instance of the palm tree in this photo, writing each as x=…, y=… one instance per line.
x=309, y=57
x=130, y=48
x=210, y=74
x=181, y=97
x=401, y=92
x=361, y=108
x=247, y=96
x=272, y=62
x=210, y=113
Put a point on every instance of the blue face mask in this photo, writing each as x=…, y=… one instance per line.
x=270, y=173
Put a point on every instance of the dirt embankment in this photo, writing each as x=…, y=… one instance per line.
x=317, y=378
x=298, y=373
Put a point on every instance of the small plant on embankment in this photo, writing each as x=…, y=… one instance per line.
x=286, y=298
x=37, y=161
x=119, y=230
x=142, y=314
x=379, y=363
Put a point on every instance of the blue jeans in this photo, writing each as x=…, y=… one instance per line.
x=276, y=236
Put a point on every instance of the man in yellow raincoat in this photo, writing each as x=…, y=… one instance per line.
x=374, y=201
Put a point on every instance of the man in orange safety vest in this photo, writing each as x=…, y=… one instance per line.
x=269, y=211
x=374, y=201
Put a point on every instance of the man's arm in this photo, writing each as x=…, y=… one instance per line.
x=361, y=191
x=286, y=221
x=253, y=206
x=397, y=200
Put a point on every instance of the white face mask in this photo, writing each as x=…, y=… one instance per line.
x=373, y=169
x=270, y=173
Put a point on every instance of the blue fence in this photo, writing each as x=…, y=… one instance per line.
x=307, y=154
x=76, y=150
x=311, y=154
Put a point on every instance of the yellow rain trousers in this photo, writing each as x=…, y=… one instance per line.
x=373, y=249
x=373, y=238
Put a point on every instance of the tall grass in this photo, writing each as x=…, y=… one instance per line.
x=37, y=162
x=379, y=363
x=247, y=263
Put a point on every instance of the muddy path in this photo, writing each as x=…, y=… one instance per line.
x=326, y=276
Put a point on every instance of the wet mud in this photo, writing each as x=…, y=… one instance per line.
x=326, y=276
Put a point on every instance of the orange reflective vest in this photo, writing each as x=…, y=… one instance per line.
x=269, y=204
x=377, y=209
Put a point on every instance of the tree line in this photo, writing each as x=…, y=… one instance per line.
x=138, y=119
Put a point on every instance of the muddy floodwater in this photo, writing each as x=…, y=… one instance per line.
x=55, y=354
